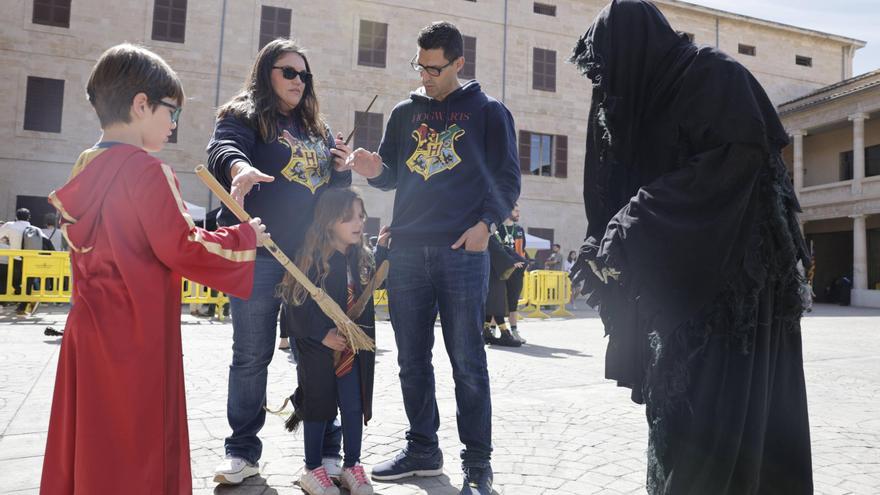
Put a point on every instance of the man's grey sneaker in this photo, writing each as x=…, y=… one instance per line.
x=233, y=470
x=516, y=335
x=477, y=481
x=405, y=465
x=333, y=465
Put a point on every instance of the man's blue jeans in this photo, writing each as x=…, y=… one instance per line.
x=421, y=282
x=254, y=323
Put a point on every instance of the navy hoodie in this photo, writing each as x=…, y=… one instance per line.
x=302, y=169
x=453, y=162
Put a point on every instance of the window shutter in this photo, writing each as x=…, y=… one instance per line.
x=562, y=156
x=525, y=151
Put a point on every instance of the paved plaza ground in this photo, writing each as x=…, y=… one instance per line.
x=559, y=427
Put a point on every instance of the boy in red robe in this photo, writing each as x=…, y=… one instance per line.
x=118, y=419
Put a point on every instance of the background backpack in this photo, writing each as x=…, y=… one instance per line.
x=33, y=238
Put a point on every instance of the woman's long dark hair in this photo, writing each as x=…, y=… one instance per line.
x=258, y=104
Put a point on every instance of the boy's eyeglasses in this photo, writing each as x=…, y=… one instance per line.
x=290, y=74
x=175, y=110
x=431, y=70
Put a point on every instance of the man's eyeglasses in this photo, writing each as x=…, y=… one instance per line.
x=431, y=70
x=175, y=110
x=290, y=74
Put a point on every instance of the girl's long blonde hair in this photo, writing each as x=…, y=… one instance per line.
x=334, y=205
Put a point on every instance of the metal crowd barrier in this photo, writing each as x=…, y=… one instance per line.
x=45, y=277
x=542, y=288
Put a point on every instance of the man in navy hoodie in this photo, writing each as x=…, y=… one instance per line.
x=450, y=152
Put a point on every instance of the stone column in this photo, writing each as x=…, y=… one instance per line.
x=858, y=121
x=798, y=167
x=860, y=253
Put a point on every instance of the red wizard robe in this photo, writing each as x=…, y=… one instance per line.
x=118, y=418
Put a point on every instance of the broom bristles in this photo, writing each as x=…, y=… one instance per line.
x=293, y=422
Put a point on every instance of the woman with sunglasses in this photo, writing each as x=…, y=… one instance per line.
x=270, y=135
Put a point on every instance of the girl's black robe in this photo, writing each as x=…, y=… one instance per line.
x=688, y=199
x=315, y=398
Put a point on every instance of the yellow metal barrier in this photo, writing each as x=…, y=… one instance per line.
x=195, y=293
x=548, y=288
x=45, y=276
x=380, y=297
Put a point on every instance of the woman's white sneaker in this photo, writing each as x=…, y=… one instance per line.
x=355, y=479
x=317, y=482
x=233, y=470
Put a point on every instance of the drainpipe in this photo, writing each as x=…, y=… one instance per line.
x=503, y=58
x=217, y=87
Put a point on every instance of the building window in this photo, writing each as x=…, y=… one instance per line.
x=43, y=104
x=747, y=50
x=543, y=154
x=169, y=20
x=872, y=163
x=274, y=23
x=846, y=165
x=804, y=61
x=52, y=13
x=543, y=69
x=544, y=9
x=367, y=130
x=372, y=44
x=469, y=70
x=689, y=36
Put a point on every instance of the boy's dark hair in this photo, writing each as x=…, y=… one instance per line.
x=121, y=73
x=445, y=35
x=23, y=214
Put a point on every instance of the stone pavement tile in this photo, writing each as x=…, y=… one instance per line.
x=22, y=473
x=22, y=445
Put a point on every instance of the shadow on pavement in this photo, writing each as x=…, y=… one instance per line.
x=542, y=351
x=435, y=485
x=255, y=485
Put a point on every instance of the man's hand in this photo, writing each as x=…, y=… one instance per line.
x=244, y=177
x=475, y=238
x=365, y=163
x=384, y=236
x=340, y=153
x=260, y=230
x=335, y=341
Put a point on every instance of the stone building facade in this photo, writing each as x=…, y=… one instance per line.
x=835, y=162
x=358, y=48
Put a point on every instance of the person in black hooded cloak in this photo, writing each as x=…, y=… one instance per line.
x=692, y=254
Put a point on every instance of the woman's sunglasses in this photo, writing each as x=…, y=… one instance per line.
x=290, y=74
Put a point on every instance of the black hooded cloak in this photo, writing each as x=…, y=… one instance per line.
x=687, y=198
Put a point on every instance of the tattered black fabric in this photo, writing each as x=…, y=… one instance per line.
x=687, y=198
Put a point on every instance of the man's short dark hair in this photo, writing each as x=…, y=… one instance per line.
x=121, y=73
x=445, y=35
x=23, y=214
x=557, y=246
x=50, y=219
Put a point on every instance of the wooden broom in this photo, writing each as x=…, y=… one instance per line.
x=357, y=339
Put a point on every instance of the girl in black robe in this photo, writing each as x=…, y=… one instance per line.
x=691, y=254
